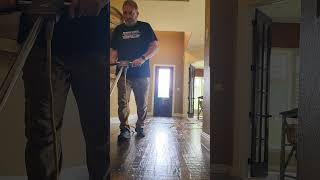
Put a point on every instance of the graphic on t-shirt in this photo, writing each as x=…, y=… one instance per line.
x=131, y=34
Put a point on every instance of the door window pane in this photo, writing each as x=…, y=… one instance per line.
x=164, y=83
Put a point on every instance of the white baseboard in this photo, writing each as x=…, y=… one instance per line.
x=205, y=140
x=177, y=115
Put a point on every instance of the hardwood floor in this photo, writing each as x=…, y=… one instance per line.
x=170, y=150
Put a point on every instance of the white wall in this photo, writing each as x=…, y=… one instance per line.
x=282, y=90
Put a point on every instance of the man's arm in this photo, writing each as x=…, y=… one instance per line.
x=152, y=50
x=113, y=56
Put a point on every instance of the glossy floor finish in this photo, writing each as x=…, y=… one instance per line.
x=170, y=150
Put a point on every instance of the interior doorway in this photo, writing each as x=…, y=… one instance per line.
x=196, y=90
x=279, y=136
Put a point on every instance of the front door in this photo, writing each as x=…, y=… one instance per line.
x=163, y=91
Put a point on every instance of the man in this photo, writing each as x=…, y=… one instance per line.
x=136, y=42
x=80, y=52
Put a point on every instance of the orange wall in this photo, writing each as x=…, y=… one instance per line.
x=171, y=52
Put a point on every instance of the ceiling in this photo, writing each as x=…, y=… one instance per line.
x=283, y=11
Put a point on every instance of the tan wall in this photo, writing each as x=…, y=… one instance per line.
x=117, y=3
x=171, y=52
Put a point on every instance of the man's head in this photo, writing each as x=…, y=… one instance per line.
x=130, y=12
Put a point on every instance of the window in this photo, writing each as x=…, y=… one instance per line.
x=164, y=82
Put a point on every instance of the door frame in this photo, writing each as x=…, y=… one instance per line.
x=173, y=84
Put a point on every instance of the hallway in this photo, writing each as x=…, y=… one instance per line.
x=170, y=150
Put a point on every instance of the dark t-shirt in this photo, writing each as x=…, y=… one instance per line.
x=132, y=42
x=79, y=35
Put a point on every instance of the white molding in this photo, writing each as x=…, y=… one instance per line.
x=173, y=85
x=205, y=140
x=221, y=169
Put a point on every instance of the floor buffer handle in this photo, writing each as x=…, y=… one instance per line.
x=116, y=81
x=124, y=65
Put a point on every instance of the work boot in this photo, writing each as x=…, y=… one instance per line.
x=140, y=132
x=124, y=135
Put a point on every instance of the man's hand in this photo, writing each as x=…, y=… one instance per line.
x=5, y=4
x=113, y=56
x=80, y=8
x=137, y=62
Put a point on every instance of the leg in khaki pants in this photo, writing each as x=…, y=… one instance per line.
x=124, y=91
x=140, y=87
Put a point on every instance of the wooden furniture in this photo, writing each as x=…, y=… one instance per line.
x=289, y=131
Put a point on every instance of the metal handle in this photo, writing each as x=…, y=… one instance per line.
x=116, y=81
